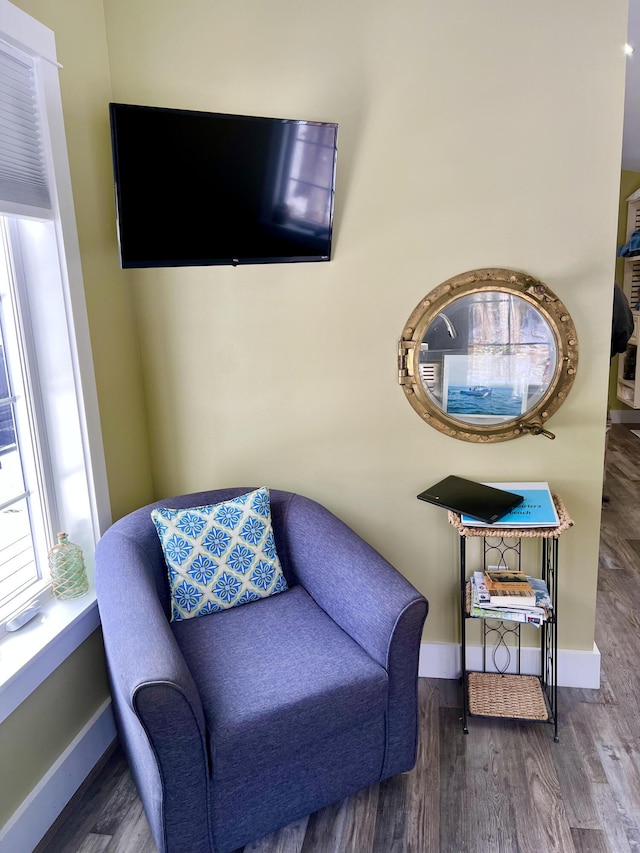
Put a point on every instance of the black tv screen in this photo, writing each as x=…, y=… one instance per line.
x=197, y=188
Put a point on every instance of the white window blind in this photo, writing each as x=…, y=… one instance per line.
x=23, y=173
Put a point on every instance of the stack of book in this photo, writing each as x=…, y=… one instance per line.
x=514, y=596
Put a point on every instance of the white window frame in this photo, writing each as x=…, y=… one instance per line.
x=29, y=655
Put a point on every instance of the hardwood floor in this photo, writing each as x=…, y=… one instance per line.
x=504, y=788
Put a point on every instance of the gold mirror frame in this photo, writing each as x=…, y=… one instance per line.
x=534, y=292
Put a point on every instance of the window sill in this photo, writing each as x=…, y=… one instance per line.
x=30, y=655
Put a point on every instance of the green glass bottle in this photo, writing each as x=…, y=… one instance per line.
x=68, y=571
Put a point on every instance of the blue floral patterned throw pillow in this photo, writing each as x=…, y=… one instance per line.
x=219, y=556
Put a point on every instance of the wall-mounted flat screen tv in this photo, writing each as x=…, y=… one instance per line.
x=197, y=188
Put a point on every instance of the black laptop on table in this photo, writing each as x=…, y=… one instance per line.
x=470, y=498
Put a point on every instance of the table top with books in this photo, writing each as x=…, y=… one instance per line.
x=499, y=593
x=540, y=513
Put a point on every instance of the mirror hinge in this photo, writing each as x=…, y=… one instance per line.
x=404, y=377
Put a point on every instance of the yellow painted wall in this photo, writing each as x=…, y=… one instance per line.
x=459, y=148
x=629, y=183
x=38, y=732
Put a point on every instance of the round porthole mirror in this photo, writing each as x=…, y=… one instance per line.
x=488, y=355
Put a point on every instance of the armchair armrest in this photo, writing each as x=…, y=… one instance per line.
x=370, y=600
x=161, y=720
x=349, y=579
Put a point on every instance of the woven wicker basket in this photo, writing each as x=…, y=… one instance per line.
x=514, y=696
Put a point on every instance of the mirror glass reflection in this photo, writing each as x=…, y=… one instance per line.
x=487, y=358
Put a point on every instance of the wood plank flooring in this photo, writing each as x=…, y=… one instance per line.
x=504, y=788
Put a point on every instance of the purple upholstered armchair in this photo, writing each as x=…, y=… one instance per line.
x=241, y=721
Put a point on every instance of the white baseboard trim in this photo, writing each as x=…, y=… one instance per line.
x=32, y=820
x=575, y=668
x=625, y=416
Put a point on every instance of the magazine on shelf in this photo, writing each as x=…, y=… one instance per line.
x=481, y=588
x=543, y=599
x=536, y=510
x=542, y=604
x=530, y=616
x=509, y=589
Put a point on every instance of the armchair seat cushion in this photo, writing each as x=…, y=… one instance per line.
x=274, y=673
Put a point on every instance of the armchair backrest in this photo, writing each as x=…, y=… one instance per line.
x=138, y=531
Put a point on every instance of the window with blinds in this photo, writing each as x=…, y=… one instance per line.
x=24, y=522
x=52, y=473
x=23, y=507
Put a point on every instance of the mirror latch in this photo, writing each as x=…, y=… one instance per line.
x=535, y=428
